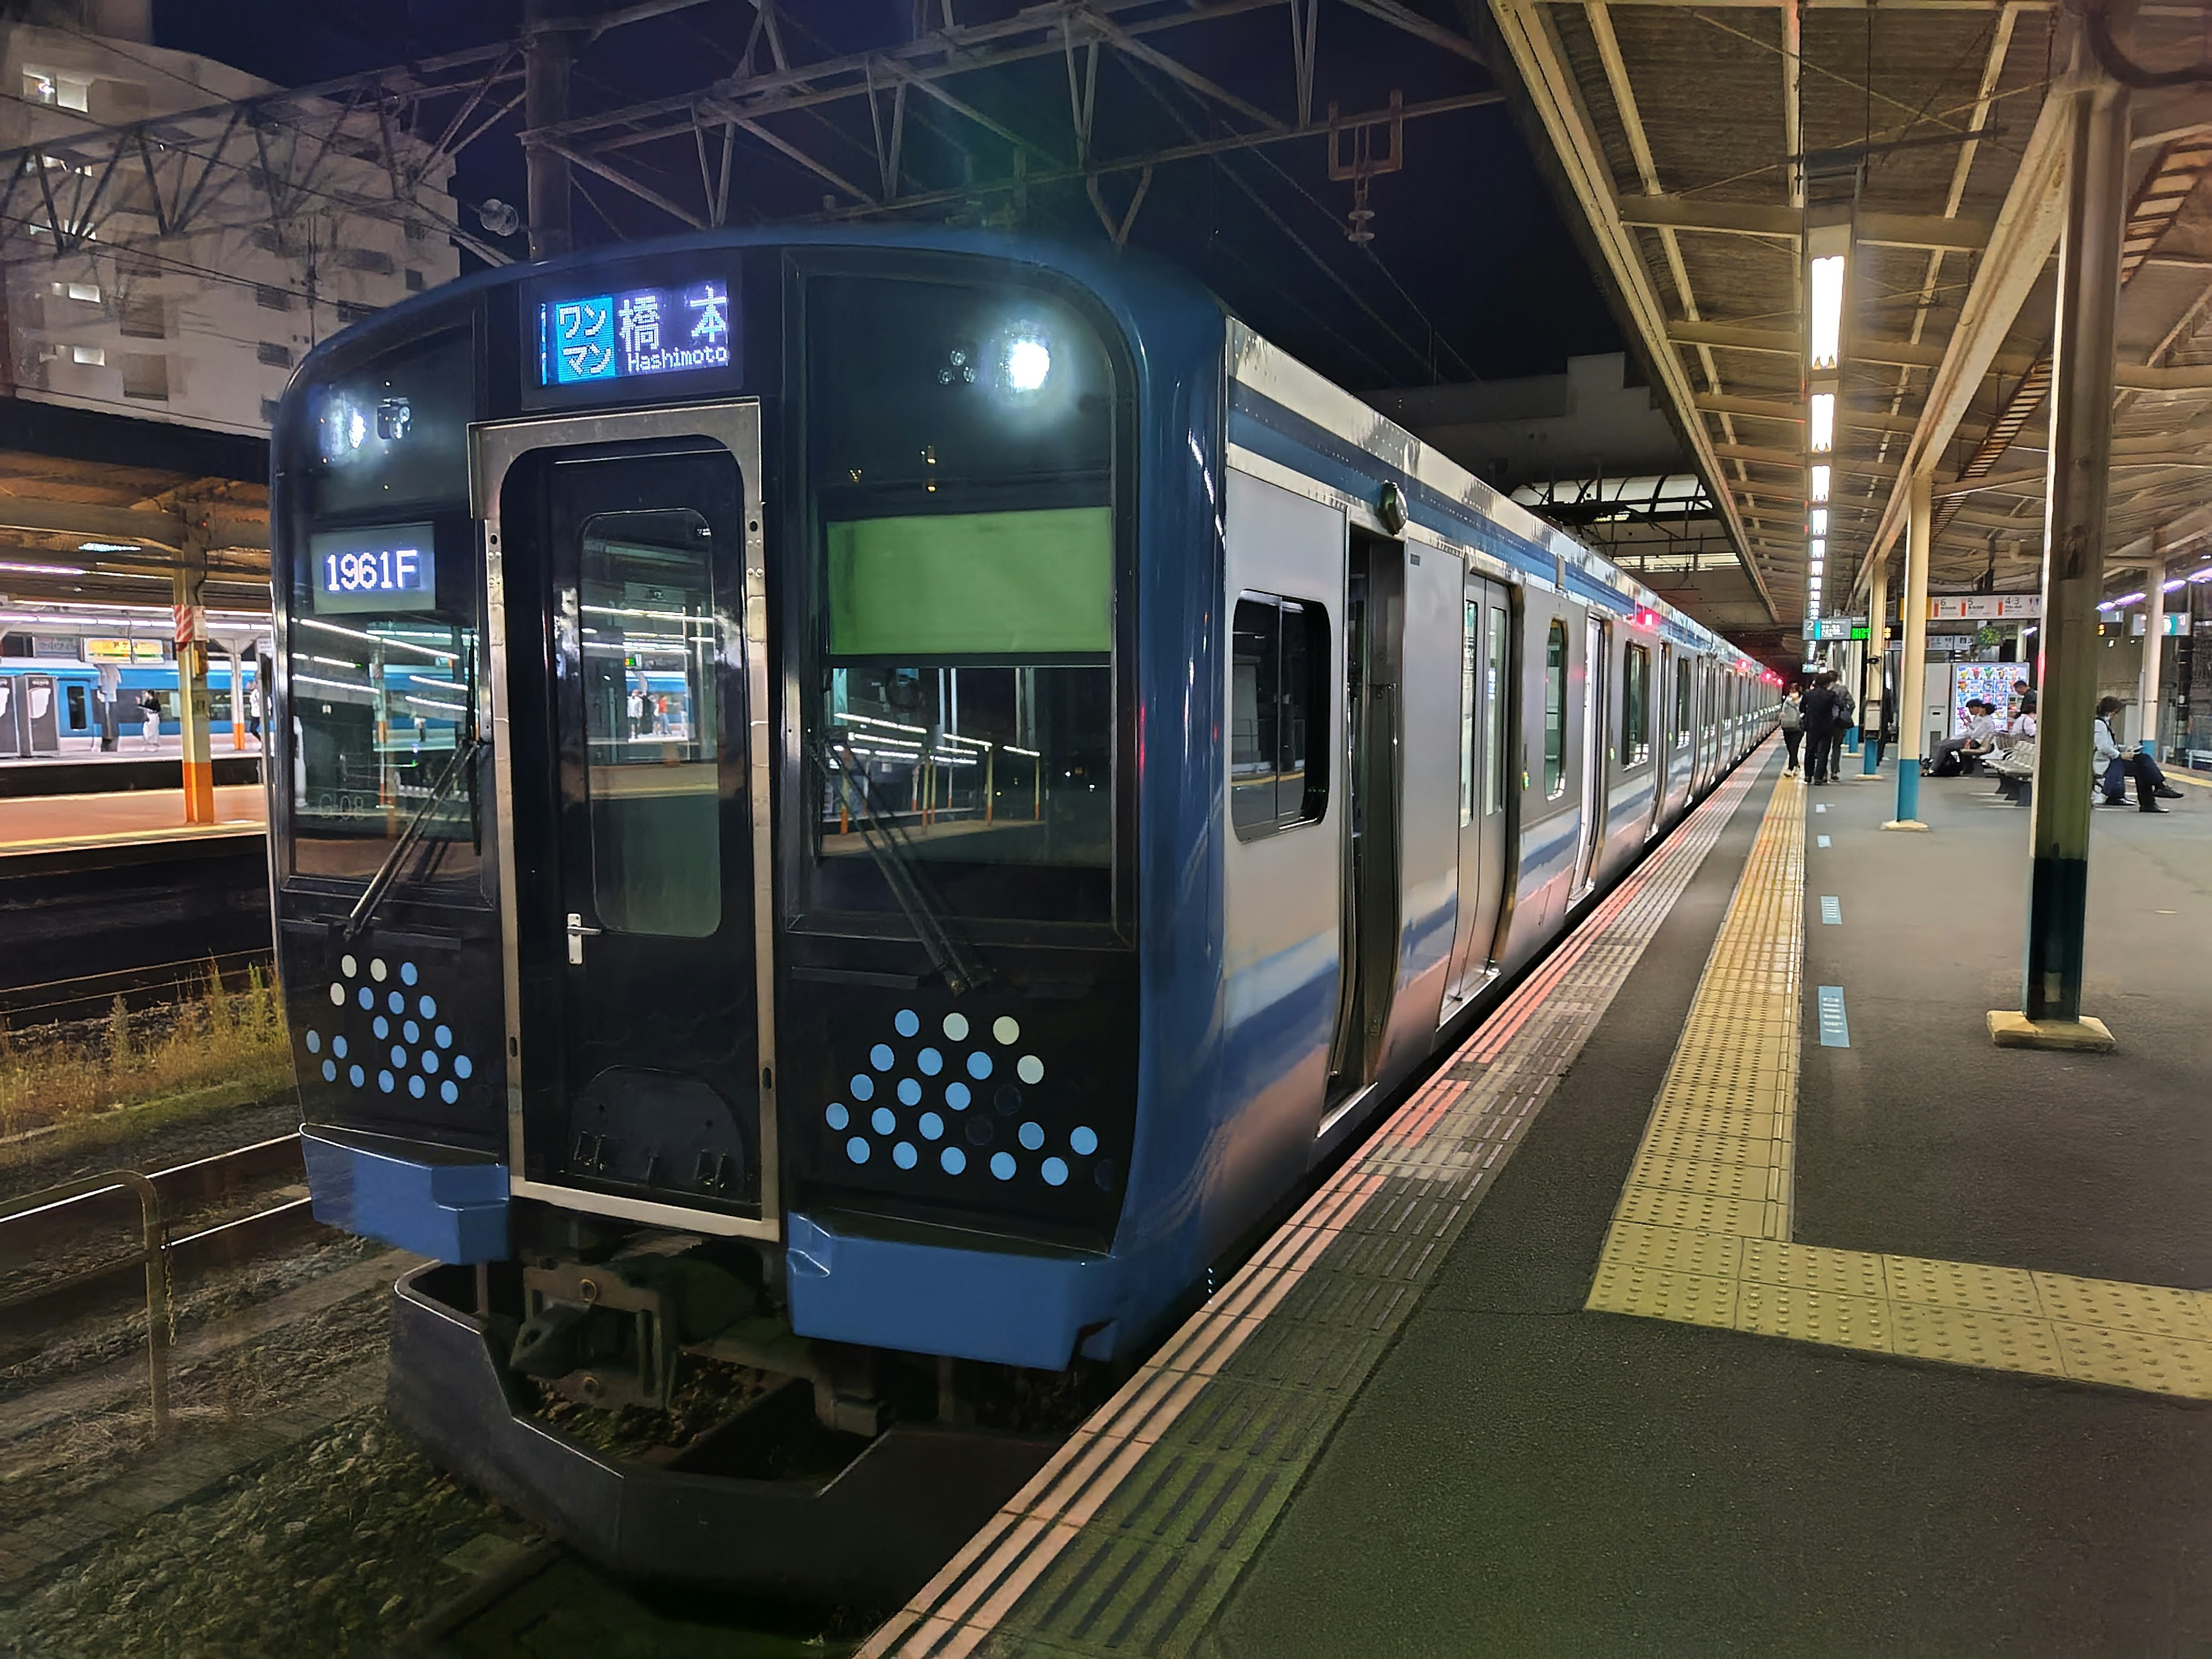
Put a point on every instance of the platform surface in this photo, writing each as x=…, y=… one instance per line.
x=1662, y=1321
x=47, y=823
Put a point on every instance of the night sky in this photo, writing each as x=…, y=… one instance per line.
x=1471, y=275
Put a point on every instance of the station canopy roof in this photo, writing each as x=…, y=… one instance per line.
x=1713, y=149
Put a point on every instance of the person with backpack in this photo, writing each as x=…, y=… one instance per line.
x=1819, y=715
x=1847, y=713
x=1792, y=721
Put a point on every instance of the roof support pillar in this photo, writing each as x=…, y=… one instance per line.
x=546, y=65
x=2074, y=572
x=2147, y=698
x=1870, y=698
x=192, y=680
x=1913, y=672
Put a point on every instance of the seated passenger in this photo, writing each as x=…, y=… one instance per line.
x=1979, y=737
x=2023, y=722
x=2111, y=768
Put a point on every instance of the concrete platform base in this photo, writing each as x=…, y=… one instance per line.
x=1907, y=824
x=2009, y=1029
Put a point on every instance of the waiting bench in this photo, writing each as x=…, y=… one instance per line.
x=2014, y=768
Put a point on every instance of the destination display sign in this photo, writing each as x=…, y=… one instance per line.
x=591, y=338
x=384, y=568
x=1986, y=607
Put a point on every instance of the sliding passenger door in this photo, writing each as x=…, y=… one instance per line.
x=624, y=572
x=1485, y=728
x=1375, y=614
x=1596, y=642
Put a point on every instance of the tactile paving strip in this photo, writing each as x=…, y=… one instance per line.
x=1702, y=1233
x=1132, y=1536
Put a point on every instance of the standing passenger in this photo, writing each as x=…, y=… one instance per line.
x=1820, y=718
x=1793, y=730
x=149, y=720
x=1846, y=711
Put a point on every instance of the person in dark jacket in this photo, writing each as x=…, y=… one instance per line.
x=1819, y=717
x=1840, y=724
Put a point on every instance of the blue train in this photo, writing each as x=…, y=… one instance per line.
x=961, y=775
x=70, y=690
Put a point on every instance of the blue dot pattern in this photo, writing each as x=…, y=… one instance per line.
x=406, y=973
x=426, y=1052
x=901, y=1066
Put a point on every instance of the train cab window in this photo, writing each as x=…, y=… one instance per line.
x=1682, y=703
x=1493, y=705
x=960, y=446
x=1555, y=711
x=1635, y=706
x=1278, y=680
x=646, y=613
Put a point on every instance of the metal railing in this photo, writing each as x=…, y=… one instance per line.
x=154, y=1251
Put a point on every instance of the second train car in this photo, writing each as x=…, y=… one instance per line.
x=957, y=774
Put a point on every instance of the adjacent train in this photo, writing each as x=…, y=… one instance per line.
x=951, y=776
x=45, y=700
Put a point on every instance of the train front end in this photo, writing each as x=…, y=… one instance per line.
x=705, y=812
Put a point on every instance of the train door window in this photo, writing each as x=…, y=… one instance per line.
x=1635, y=701
x=1555, y=711
x=1682, y=703
x=646, y=612
x=1470, y=652
x=1493, y=703
x=79, y=716
x=1278, y=679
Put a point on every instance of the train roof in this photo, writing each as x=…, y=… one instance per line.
x=1138, y=291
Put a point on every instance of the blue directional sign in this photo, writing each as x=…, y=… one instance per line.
x=587, y=337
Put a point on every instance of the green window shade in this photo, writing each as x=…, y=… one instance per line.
x=1032, y=584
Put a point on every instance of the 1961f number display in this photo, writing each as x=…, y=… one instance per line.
x=385, y=568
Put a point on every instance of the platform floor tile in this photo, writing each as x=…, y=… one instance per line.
x=1702, y=1235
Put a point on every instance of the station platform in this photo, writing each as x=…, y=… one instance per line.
x=1725, y=1292
x=81, y=768
x=57, y=824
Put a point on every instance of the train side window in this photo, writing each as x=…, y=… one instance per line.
x=1555, y=711
x=1278, y=679
x=1682, y=703
x=1470, y=649
x=1493, y=682
x=1635, y=701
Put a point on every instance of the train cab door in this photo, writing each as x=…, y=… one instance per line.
x=1596, y=642
x=628, y=674
x=1487, y=723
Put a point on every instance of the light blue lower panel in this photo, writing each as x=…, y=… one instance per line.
x=447, y=1209
x=1003, y=1306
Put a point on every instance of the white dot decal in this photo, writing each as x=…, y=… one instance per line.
x=837, y=1117
x=857, y=1148
x=1054, y=1172
x=955, y=1027
x=1006, y=1028
x=337, y=995
x=1030, y=1069
x=376, y=970
x=952, y=1160
x=885, y=1120
x=1032, y=1135
x=348, y=966
x=931, y=1127
x=1083, y=1141
x=1002, y=1166
x=904, y=1156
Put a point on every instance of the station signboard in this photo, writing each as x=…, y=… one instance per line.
x=1839, y=627
x=1986, y=607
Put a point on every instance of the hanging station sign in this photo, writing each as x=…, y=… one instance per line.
x=1986, y=607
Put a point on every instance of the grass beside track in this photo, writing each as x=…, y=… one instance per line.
x=107, y=1078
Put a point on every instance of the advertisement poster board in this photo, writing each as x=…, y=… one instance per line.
x=1990, y=681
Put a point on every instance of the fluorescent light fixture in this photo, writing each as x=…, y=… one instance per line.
x=1828, y=295
x=2177, y=582
x=2108, y=604
x=1819, y=549
x=42, y=569
x=107, y=547
x=2129, y=598
x=2203, y=575
x=1819, y=525
x=1820, y=483
x=1821, y=417
x=1815, y=570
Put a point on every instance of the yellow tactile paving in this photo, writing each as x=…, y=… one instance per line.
x=1702, y=1233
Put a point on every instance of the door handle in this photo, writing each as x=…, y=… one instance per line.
x=577, y=934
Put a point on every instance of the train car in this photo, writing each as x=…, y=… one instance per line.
x=951, y=776
x=60, y=699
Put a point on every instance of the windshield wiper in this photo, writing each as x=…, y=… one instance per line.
x=380, y=884
x=891, y=849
